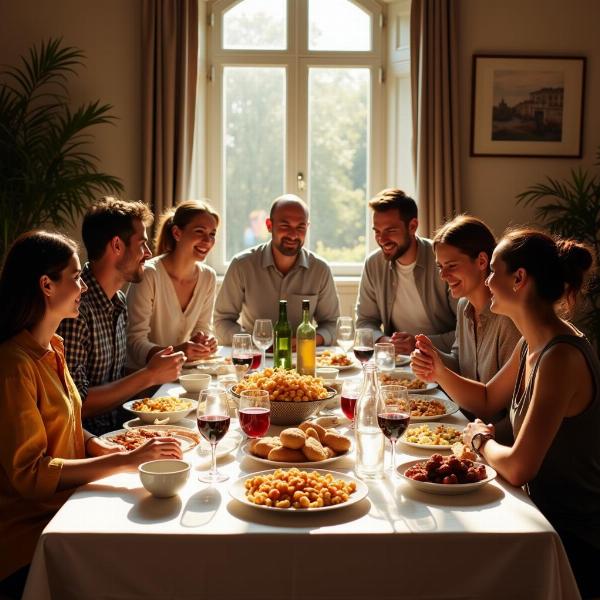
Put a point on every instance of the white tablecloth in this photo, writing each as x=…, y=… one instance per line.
x=113, y=541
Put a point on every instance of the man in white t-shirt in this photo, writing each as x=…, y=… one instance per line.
x=401, y=293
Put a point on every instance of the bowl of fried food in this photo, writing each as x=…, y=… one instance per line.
x=162, y=410
x=294, y=397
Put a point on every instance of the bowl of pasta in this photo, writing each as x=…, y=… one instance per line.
x=294, y=398
x=162, y=410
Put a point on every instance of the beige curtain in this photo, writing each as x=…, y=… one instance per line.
x=170, y=64
x=435, y=111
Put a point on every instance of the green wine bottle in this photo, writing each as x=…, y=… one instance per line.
x=282, y=346
x=306, y=343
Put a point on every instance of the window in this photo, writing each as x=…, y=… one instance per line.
x=295, y=104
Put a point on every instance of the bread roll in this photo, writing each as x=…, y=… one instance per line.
x=292, y=438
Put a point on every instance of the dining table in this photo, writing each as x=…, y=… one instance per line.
x=112, y=540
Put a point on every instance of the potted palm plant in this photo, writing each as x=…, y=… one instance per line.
x=47, y=173
x=571, y=208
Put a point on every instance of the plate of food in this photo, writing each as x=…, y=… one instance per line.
x=267, y=490
x=432, y=436
x=339, y=360
x=448, y=476
x=430, y=408
x=161, y=408
x=308, y=445
x=134, y=437
x=406, y=378
x=402, y=360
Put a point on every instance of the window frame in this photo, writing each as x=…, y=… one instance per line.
x=297, y=59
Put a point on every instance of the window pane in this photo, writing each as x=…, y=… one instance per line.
x=338, y=137
x=325, y=29
x=254, y=144
x=256, y=25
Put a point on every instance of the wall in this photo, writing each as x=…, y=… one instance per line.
x=109, y=32
x=545, y=27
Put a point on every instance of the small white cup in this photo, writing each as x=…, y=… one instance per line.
x=327, y=373
x=194, y=383
x=164, y=478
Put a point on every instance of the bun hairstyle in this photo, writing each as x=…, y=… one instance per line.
x=469, y=234
x=179, y=215
x=33, y=254
x=558, y=266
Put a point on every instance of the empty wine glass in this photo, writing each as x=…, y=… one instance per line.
x=254, y=412
x=350, y=392
x=385, y=356
x=213, y=424
x=344, y=332
x=262, y=336
x=242, y=351
x=393, y=414
x=363, y=345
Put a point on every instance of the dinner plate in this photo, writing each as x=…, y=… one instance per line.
x=228, y=444
x=399, y=374
x=441, y=488
x=150, y=416
x=300, y=465
x=187, y=439
x=238, y=491
x=431, y=426
x=451, y=407
x=187, y=423
x=402, y=360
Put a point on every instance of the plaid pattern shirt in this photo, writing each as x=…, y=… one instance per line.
x=96, y=346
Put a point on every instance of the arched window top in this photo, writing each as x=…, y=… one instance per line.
x=338, y=25
x=256, y=25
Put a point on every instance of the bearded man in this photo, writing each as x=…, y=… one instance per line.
x=281, y=269
x=401, y=293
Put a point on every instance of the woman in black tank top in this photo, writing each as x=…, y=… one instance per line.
x=551, y=386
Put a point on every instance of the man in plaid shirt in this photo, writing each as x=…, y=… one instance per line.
x=114, y=234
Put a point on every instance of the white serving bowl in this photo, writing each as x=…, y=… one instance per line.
x=194, y=383
x=327, y=373
x=164, y=478
x=164, y=417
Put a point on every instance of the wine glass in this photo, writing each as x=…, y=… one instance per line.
x=344, y=332
x=350, y=392
x=363, y=345
x=385, y=356
x=213, y=424
x=254, y=412
x=393, y=414
x=242, y=351
x=262, y=336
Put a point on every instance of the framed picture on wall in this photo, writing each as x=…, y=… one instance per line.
x=527, y=106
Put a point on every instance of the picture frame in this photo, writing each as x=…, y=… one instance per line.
x=527, y=106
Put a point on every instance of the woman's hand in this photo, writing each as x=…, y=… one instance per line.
x=477, y=426
x=425, y=360
x=154, y=449
x=207, y=341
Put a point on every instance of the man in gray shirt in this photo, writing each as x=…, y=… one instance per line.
x=281, y=269
x=400, y=288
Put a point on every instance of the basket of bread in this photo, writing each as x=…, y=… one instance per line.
x=294, y=398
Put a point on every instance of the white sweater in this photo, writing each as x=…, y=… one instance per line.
x=155, y=315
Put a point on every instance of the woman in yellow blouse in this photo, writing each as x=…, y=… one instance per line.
x=42, y=445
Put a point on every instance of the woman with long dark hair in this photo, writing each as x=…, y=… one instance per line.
x=43, y=447
x=551, y=386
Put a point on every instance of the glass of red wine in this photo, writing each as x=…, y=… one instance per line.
x=254, y=412
x=350, y=392
x=213, y=424
x=242, y=352
x=363, y=345
x=393, y=414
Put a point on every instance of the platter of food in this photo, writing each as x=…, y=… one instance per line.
x=431, y=436
x=168, y=409
x=134, y=437
x=339, y=360
x=213, y=359
x=308, y=445
x=431, y=408
x=406, y=378
x=314, y=491
x=448, y=476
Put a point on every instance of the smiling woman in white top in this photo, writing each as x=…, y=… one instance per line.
x=173, y=304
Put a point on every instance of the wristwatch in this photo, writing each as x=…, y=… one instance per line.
x=478, y=440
